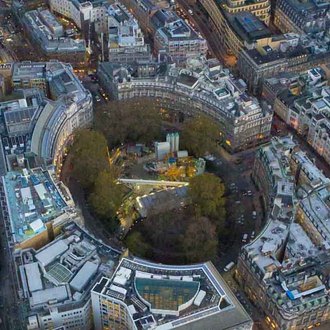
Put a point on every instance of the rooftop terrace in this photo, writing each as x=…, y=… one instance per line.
x=33, y=199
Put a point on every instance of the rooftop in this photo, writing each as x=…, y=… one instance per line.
x=248, y=27
x=288, y=46
x=172, y=296
x=202, y=79
x=33, y=198
x=46, y=30
x=285, y=256
x=63, y=272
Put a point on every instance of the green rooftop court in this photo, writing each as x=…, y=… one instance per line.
x=59, y=273
x=163, y=294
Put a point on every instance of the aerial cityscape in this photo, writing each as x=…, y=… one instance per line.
x=164, y=164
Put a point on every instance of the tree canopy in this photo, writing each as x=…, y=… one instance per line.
x=206, y=192
x=200, y=240
x=134, y=120
x=97, y=176
x=89, y=156
x=137, y=244
x=106, y=197
x=176, y=236
x=200, y=135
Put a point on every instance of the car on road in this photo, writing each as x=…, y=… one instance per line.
x=245, y=237
x=229, y=266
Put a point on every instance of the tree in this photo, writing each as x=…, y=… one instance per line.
x=134, y=120
x=89, y=156
x=106, y=198
x=206, y=192
x=200, y=240
x=200, y=135
x=137, y=245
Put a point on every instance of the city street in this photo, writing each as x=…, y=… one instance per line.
x=12, y=313
x=242, y=201
x=201, y=21
x=14, y=45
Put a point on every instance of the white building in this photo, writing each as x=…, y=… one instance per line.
x=57, y=279
x=202, y=86
x=175, y=38
x=68, y=107
x=125, y=38
x=80, y=12
x=141, y=294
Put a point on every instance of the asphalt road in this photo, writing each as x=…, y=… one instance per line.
x=201, y=21
x=240, y=203
x=11, y=312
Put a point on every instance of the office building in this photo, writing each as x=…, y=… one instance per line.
x=243, y=30
x=142, y=294
x=224, y=15
x=143, y=10
x=56, y=280
x=82, y=13
x=310, y=16
x=174, y=38
x=284, y=269
x=302, y=102
x=48, y=34
x=289, y=52
x=123, y=38
x=53, y=105
x=203, y=86
x=34, y=206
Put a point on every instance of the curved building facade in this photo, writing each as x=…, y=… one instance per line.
x=65, y=105
x=284, y=269
x=202, y=87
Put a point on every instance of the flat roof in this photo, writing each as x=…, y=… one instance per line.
x=33, y=276
x=159, y=291
x=28, y=212
x=58, y=293
x=248, y=26
x=166, y=294
x=86, y=272
x=50, y=252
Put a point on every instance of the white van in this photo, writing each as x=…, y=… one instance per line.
x=229, y=266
